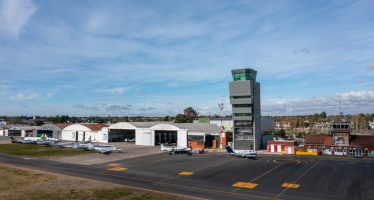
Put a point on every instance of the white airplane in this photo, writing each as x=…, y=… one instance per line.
x=176, y=150
x=26, y=140
x=243, y=154
x=104, y=149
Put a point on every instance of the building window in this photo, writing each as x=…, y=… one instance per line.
x=243, y=137
x=243, y=76
x=242, y=114
x=240, y=97
x=242, y=105
x=243, y=123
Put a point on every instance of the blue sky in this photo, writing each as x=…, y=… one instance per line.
x=158, y=57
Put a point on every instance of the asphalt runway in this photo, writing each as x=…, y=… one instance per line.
x=216, y=176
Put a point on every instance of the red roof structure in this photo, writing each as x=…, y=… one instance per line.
x=362, y=140
x=61, y=125
x=95, y=127
x=319, y=140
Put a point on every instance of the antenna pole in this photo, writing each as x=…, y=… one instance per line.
x=221, y=106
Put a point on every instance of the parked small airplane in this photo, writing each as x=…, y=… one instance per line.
x=176, y=150
x=243, y=154
x=64, y=144
x=26, y=140
x=46, y=142
x=104, y=149
x=15, y=141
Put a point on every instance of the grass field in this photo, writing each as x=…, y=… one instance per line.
x=25, y=184
x=39, y=151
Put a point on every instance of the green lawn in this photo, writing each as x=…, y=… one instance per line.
x=39, y=151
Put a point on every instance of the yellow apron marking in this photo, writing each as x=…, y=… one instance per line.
x=114, y=165
x=185, y=173
x=117, y=169
x=244, y=185
x=291, y=185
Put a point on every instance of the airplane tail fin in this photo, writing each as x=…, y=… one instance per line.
x=229, y=149
x=12, y=140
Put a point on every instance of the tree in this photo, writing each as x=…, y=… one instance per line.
x=180, y=118
x=39, y=122
x=300, y=134
x=166, y=118
x=281, y=133
x=191, y=112
x=323, y=115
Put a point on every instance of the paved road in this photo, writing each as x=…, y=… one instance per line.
x=213, y=175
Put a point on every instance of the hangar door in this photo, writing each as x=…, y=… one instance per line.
x=166, y=137
x=121, y=135
x=47, y=133
x=14, y=133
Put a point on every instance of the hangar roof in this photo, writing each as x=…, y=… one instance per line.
x=199, y=127
x=191, y=127
x=57, y=126
x=61, y=125
x=95, y=127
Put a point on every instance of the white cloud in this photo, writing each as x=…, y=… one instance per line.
x=15, y=14
x=351, y=102
x=96, y=21
x=87, y=108
x=117, y=90
x=50, y=94
x=371, y=67
x=22, y=96
x=3, y=89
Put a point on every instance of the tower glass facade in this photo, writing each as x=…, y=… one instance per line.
x=245, y=101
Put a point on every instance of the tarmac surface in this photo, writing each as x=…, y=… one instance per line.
x=216, y=176
x=129, y=151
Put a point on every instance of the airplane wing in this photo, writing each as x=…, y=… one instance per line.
x=164, y=148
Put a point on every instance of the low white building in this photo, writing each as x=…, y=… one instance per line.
x=85, y=132
x=156, y=133
x=142, y=133
x=4, y=131
x=21, y=130
x=51, y=130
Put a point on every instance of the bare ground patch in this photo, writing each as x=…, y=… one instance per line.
x=18, y=183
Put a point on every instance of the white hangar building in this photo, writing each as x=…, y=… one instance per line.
x=84, y=132
x=51, y=130
x=144, y=133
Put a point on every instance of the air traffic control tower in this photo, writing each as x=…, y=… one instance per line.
x=246, y=109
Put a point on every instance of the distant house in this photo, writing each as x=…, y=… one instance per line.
x=371, y=124
x=4, y=130
x=340, y=142
x=2, y=122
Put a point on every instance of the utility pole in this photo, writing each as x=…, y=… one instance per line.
x=221, y=106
